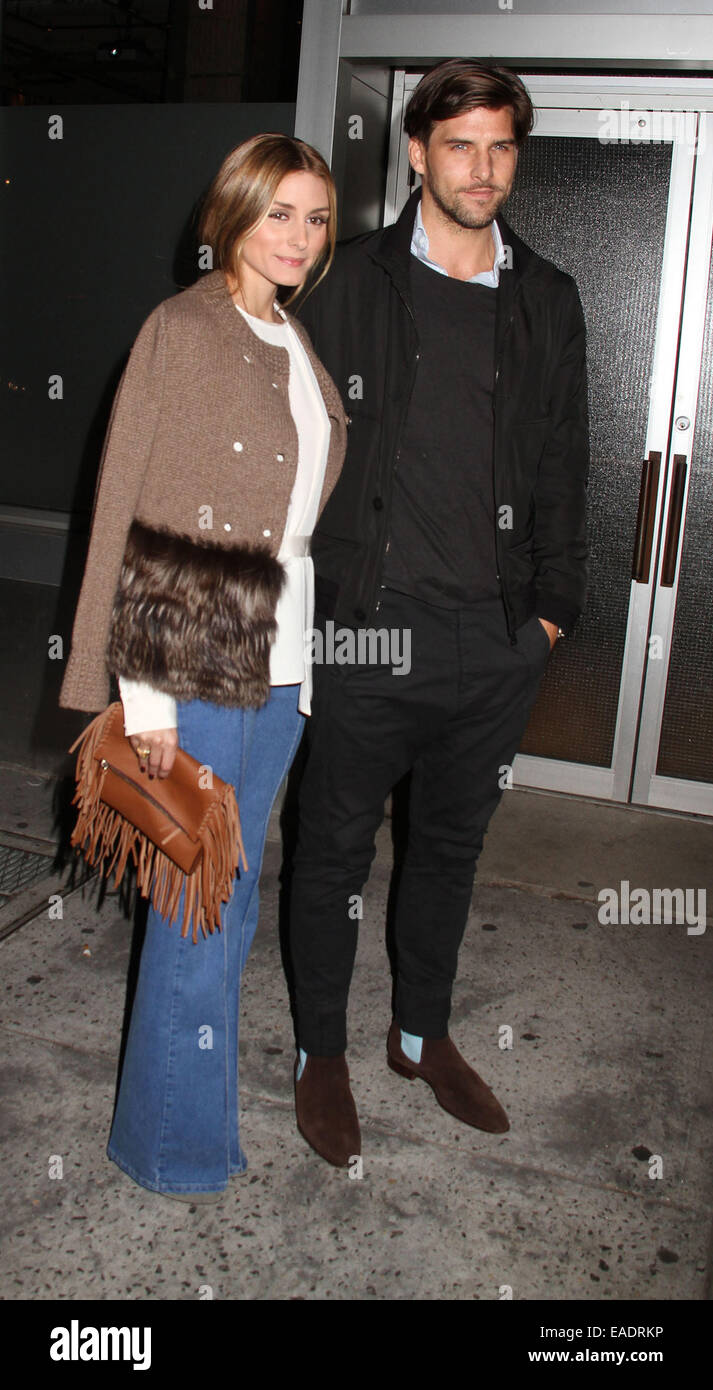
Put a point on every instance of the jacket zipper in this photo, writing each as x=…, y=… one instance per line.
x=376, y=605
x=498, y=551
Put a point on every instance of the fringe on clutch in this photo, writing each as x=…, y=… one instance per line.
x=179, y=835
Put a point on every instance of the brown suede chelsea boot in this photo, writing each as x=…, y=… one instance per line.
x=326, y=1113
x=457, y=1088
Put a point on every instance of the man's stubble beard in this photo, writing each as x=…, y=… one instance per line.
x=465, y=217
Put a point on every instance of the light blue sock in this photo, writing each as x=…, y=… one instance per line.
x=301, y=1063
x=411, y=1045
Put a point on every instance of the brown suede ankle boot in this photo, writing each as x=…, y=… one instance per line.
x=326, y=1113
x=457, y=1088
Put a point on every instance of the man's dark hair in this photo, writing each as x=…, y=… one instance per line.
x=459, y=85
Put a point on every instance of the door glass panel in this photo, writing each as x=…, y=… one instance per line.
x=686, y=744
x=599, y=212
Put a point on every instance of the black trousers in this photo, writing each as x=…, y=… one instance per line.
x=455, y=720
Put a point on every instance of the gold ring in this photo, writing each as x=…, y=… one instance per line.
x=144, y=752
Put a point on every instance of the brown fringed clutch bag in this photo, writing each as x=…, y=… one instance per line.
x=178, y=833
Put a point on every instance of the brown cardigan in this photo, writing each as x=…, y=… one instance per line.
x=201, y=420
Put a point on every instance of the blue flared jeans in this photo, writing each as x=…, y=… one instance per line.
x=175, y=1126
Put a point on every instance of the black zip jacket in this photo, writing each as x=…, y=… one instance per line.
x=362, y=324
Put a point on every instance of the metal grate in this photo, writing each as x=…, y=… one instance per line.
x=18, y=869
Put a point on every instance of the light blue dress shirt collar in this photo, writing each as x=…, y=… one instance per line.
x=419, y=248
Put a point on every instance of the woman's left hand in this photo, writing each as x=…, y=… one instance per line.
x=156, y=750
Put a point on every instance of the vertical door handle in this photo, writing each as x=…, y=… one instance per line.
x=648, y=493
x=673, y=528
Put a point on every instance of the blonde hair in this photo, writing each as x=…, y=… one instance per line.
x=243, y=190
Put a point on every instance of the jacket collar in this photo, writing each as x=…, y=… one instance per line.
x=213, y=290
x=391, y=249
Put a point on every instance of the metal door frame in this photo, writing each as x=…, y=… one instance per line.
x=649, y=788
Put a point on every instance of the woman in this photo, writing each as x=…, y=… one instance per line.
x=225, y=440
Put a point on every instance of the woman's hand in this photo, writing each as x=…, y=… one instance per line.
x=156, y=750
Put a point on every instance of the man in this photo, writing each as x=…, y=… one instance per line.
x=458, y=522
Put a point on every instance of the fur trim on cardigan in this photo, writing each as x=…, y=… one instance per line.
x=195, y=619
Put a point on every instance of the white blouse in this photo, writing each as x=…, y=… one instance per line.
x=146, y=708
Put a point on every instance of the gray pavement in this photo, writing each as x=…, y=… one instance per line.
x=602, y=1188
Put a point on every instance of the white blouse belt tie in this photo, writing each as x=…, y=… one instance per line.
x=294, y=547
